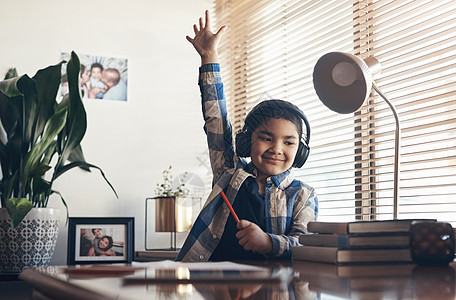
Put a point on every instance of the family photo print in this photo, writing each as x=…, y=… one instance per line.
x=100, y=240
x=102, y=78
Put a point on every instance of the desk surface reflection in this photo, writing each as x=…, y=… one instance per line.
x=311, y=281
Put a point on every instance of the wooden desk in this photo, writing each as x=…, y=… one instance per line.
x=312, y=281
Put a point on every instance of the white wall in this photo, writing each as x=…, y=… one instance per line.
x=131, y=141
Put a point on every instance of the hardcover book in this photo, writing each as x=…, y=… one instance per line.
x=344, y=241
x=336, y=255
x=399, y=225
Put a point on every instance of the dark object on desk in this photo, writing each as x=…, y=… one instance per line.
x=432, y=243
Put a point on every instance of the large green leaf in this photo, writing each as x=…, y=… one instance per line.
x=8, y=186
x=78, y=155
x=13, y=157
x=17, y=112
x=9, y=113
x=47, y=83
x=39, y=190
x=9, y=87
x=4, y=161
x=11, y=104
x=83, y=164
x=12, y=72
x=52, y=128
x=61, y=139
x=77, y=118
x=29, y=110
x=49, y=153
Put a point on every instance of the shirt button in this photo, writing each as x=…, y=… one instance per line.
x=214, y=236
x=201, y=257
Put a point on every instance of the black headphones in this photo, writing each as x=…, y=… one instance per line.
x=269, y=108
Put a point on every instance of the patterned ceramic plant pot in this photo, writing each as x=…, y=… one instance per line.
x=31, y=243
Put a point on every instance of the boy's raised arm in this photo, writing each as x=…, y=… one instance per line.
x=206, y=42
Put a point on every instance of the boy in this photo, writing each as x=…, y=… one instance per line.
x=273, y=207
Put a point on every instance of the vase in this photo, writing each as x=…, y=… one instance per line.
x=31, y=243
x=173, y=214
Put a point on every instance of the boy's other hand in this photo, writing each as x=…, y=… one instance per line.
x=206, y=42
x=253, y=238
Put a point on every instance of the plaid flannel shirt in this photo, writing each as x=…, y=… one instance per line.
x=290, y=204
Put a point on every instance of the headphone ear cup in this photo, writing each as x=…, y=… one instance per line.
x=301, y=155
x=243, y=143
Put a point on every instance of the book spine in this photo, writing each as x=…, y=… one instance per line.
x=327, y=227
x=315, y=254
x=326, y=240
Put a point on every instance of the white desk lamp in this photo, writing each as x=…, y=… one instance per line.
x=343, y=82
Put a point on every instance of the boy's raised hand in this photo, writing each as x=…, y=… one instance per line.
x=206, y=42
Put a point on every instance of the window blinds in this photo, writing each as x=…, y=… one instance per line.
x=269, y=52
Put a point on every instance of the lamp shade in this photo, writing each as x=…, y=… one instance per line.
x=343, y=81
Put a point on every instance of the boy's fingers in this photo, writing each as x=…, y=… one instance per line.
x=241, y=225
x=222, y=30
x=208, y=20
x=240, y=234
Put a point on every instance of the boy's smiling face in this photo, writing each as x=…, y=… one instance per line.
x=274, y=147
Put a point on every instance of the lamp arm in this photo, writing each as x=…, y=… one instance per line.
x=397, y=148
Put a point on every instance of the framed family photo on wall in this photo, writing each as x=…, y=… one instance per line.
x=100, y=240
x=101, y=77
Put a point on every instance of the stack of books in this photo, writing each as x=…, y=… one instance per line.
x=356, y=242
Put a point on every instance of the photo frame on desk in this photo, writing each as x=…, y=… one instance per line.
x=100, y=240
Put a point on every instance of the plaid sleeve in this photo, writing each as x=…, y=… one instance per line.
x=210, y=223
x=217, y=126
x=305, y=209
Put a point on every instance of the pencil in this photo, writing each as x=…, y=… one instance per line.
x=230, y=207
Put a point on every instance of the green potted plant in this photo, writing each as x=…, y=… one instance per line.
x=173, y=206
x=40, y=141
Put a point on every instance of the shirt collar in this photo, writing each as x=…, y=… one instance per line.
x=282, y=180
